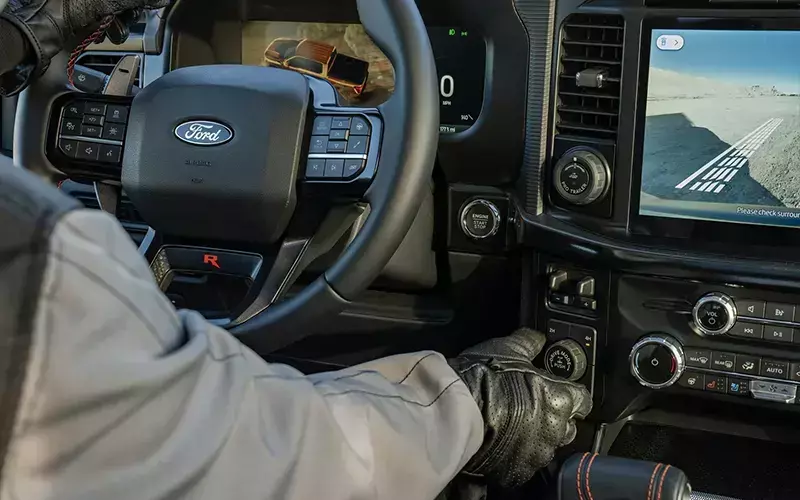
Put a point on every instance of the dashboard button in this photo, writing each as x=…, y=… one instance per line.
x=95, y=108
x=318, y=145
x=775, y=369
x=315, y=168
x=88, y=151
x=357, y=145
x=693, y=380
x=781, y=312
x=340, y=122
x=322, y=125
x=751, y=308
x=71, y=126
x=481, y=219
x=74, y=110
x=338, y=135
x=562, y=299
x=773, y=391
x=778, y=333
x=697, y=358
x=337, y=146
x=117, y=114
x=352, y=168
x=557, y=329
x=110, y=153
x=724, y=361
x=114, y=131
x=747, y=330
x=92, y=120
x=738, y=386
x=716, y=383
x=748, y=365
x=794, y=372
x=68, y=147
x=91, y=131
x=334, y=168
x=360, y=126
x=587, y=303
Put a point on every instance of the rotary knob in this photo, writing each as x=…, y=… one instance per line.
x=714, y=314
x=657, y=361
x=566, y=359
x=582, y=176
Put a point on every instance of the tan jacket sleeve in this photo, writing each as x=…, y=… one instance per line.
x=123, y=398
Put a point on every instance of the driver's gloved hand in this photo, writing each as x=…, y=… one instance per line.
x=47, y=24
x=527, y=413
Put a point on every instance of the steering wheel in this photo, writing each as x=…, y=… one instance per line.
x=232, y=154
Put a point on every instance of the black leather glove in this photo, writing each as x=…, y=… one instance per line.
x=47, y=24
x=527, y=413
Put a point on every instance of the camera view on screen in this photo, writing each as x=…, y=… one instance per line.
x=722, y=140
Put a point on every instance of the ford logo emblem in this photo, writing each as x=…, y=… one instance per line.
x=203, y=133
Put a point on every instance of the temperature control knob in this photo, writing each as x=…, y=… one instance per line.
x=582, y=176
x=657, y=361
x=714, y=314
x=566, y=359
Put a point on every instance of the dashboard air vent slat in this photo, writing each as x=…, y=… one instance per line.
x=592, y=44
x=105, y=62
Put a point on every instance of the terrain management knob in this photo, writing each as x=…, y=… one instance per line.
x=582, y=176
x=566, y=359
x=714, y=314
x=657, y=361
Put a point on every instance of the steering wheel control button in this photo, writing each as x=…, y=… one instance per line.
x=352, y=168
x=88, y=151
x=775, y=369
x=110, y=154
x=582, y=176
x=747, y=330
x=723, y=361
x=92, y=120
x=697, y=358
x=693, y=380
x=337, y=146
x=773, y=391
x=480, y=219
x=714, y=314
x=113, y=131
x=657, y=361
x=322, y=125
x=566, y=359
x=95, y=108
x=74, y=110
x=340, y=122
x=334, y=168
x=751, y=308
x=318, y=145
x=338, y=135
x=359, y=126
x=778, y=334
x=71, y=126
x=747, y=365
x=117, y=114
x=91, y=131
x=780, y=312
x=357, y=145
x=315, y=168
x=68, y=147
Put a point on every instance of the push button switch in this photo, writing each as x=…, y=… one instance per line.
x=724, y=361
x=692, y=380
x=778, y=333
x=748, y=365
x=775, y=369
x=698, y=358
x=751, y=308
x=716, y=383
x=780, y=312
x=738, y=386
x=747, y=330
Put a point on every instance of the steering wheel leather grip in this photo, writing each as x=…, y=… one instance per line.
x=404, y=155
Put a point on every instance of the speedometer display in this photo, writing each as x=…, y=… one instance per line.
x=347, y=57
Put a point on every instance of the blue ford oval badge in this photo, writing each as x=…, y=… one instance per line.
x=203, y=133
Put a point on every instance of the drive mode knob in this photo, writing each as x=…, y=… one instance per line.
x=657, y=361
x=714, y=314
x=566, y=359
x=582, y=176
x=480, y=219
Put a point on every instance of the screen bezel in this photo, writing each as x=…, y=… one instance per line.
x=698, y=230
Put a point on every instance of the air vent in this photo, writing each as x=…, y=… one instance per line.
x=590, y=70
x=105, y=63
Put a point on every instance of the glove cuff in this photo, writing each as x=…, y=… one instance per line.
x=17, y=69
x=44, y=39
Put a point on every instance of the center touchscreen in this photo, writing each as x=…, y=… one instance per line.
x=722, y=134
